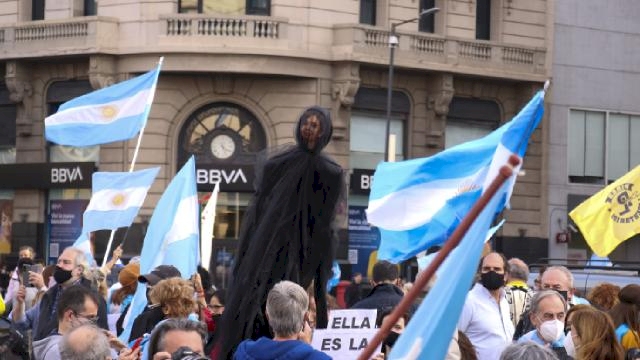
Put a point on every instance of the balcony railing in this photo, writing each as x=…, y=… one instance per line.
x=86, y=35
x=417, y=50
x=269, y=36
x=203, y=25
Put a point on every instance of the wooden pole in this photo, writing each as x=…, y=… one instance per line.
x=425, y=276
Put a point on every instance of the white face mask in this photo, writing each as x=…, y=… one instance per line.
x=551, y=330
x=568, y=345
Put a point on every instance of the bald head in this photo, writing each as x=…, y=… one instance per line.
x=86, y=342
x=518, y=270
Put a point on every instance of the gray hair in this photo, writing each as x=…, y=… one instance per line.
x=518, y=269
x=80, y=259
x=86, y=342
x=527, y=351
x=156, y=342
x=563, y=270
x=287, y=303
x=537, y=298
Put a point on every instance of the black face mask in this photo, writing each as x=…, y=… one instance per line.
x=492, y=280
x=390, y=341
x=24, y=261
x=61, y=275
x=564, y=294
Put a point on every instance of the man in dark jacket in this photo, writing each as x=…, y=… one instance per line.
x=72, y=264
x=385, y=294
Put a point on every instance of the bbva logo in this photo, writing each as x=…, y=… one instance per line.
x=212, y=176
x=66, y=175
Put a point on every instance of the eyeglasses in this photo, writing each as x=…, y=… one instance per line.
x=91, y=319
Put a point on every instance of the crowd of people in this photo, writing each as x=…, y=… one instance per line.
x=73, y=311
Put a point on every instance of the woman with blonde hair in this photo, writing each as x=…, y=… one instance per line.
x=592, y=336
x=175, y=297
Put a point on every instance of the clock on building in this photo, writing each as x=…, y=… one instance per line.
x=223, y=144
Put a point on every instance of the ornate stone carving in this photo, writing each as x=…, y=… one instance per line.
x=439, y=102
x=20, y=89
x=102, y=71
x=344, y=86
x=345, y=91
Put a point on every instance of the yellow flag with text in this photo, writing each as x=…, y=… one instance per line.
x=612, y=215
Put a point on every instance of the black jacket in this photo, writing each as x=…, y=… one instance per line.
x=48, y=318
x=146, y=321
x=382, y=297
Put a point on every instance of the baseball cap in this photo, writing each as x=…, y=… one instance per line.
x=161, y=272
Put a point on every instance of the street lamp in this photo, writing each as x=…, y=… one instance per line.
x=393, y=42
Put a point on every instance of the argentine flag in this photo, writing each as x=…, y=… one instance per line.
x=173, y=236
x=116, y=199
x=429, y=334
x=114, y=113
x=418, y=203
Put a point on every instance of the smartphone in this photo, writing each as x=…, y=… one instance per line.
x=24, y=274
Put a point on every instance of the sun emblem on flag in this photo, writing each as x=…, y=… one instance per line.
x=118, y=199
x=109, y=111
x=467, y=187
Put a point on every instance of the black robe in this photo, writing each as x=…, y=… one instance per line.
x=286, y=234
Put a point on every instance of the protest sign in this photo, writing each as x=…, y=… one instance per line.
x=347, y=334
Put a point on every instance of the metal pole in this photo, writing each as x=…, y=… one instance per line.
x=393, y=42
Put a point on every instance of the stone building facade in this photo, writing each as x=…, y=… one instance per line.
x=251, y=67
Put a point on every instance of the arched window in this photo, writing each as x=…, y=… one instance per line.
x=225, y=139
x=221, y=133
x=470, y=119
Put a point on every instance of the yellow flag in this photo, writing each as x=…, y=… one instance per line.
x=612, y=215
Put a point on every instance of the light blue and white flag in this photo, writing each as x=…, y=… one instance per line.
x=428, y=334
x=335, y=278
x=418, y=203
x=115, y=201
x=114, y=113
x=173, y=236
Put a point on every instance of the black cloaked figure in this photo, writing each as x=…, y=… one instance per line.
x=286, y=232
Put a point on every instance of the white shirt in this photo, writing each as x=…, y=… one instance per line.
x=486, y=323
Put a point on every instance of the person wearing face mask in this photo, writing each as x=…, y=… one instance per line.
x=485, y=318
x=77, y=306
x=69, y=271
x=592, y=336
x=548, y=310
x=25, y=256
x=557, y=278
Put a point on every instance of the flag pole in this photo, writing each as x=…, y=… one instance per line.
x=425, y=276
x=135, y=157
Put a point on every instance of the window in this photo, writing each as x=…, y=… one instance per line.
x=226, y=7
x=58, y=93
x=90, y=8
x=600, y=145
x=7, y=127
x=367, y=139
x=368, y=12
x=258, y=7
x=37, y=9
x=470, y=119
x=221, y=120
x=483, y=19
x=427, y=22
